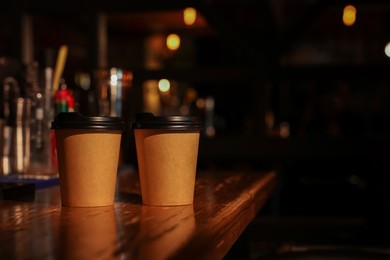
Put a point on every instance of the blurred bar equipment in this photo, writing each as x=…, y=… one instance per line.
x=116, y=92
x=22, y=138
x=205, y=107
x=2, y=124
x=26, y=110
x=6, y=158
x=16, y=131
x=9, y=87
x=102, y=88
x=49, y=109
x=209, y=117
x=112, y=85
x=39, y=146
x=151, y=97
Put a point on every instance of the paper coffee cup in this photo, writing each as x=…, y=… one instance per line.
x=88, y=154
x=167, y=153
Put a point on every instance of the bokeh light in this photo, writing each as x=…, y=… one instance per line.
x=173, y=42
x=349, y=15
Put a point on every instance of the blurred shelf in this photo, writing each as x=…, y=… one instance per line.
x=73, y=6
x=215, y=75
x=243, y=74
x=252, y=148
x=334, y=71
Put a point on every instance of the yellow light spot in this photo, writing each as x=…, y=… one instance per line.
x=164, y=85
x=387, y=49
x=173, y=42
x=189, y=15
x=349, y=15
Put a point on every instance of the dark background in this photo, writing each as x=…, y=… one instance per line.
x=293, y=59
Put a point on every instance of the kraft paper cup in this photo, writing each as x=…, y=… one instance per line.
x=167, y=152
x=88, y=154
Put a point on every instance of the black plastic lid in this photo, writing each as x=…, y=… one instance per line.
x=74, y=120
x=179, y=123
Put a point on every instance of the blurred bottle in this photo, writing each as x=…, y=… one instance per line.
x=2, y=124
x=39, y=79
x=85, y=98
x=10, y=75
x=101, y=80
x=39, y=129
x=151, y=97
x=116, y=92
x=209, y=117
x=111, y=87
x=15, y=133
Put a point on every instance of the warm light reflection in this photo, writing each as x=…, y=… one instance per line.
x=189, y=15
x=151, y=96
x=83, y=80
x=269, y=120
x=387, y=49
x=200, y=103
x=18, y=215
x=173, y=42
x=210, y=131
x=159, y=226
x=88, y=233
x=284, y=130
x=164, y=85
x=349, y=15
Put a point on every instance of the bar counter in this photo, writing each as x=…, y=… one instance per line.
x=225, y=203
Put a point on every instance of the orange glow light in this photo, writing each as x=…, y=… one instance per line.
x=189, y=15
x=349, y=15
x=173, y=42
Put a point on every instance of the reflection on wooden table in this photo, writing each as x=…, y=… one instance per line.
x=225, y=203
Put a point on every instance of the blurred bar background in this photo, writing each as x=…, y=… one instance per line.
x=298, y=85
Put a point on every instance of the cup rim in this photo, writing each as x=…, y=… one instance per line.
x=174, y=122
x=74, y=120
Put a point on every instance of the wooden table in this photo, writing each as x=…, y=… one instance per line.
x=225, y=203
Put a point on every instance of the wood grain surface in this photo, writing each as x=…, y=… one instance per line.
x=225, y=203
